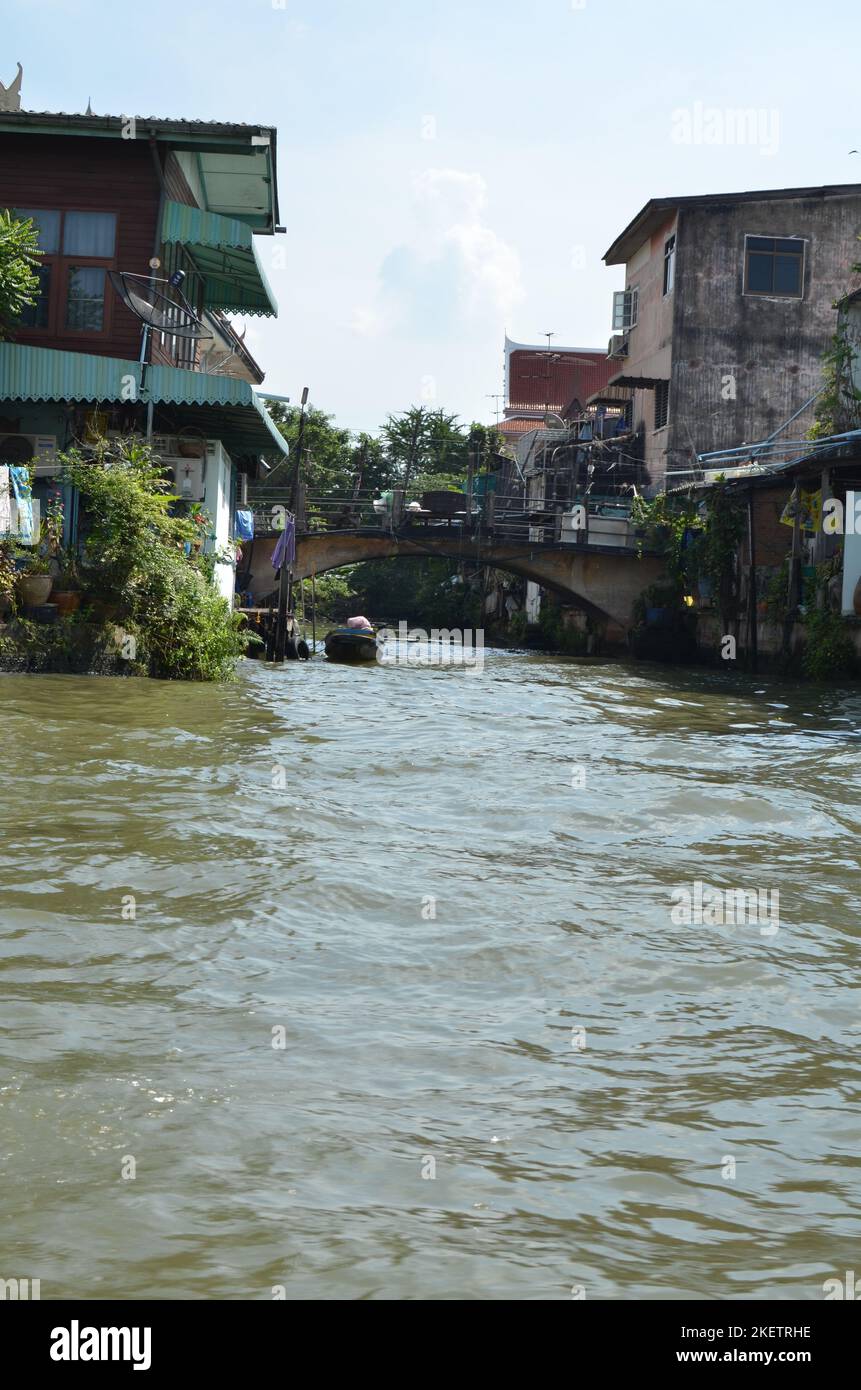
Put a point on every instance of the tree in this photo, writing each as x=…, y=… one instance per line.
x=371, y=465
x=430, y=449
x=19, y=258
x=419, y=448
x=326, y=467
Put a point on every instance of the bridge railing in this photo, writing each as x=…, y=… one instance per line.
x=594, y=520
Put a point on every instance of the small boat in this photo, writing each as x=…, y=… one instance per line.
x=351, y=644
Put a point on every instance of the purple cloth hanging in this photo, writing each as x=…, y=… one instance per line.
x=285, y=550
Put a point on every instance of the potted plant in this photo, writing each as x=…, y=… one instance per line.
x=34, y=580
x=67, y=585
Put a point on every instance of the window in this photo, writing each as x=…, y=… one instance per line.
x=89, y=234
x=626, y=305
x=85, y=299
x=78, y=249
x=774, y=266
x=36, y=315
x=47, y=224
x=662, y=404
x=669, y=264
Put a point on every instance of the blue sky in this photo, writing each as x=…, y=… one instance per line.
x=449, y=171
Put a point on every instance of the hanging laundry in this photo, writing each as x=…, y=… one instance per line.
x=285, y=550
x=20, y=475
x=5, y=501
x=243, y=525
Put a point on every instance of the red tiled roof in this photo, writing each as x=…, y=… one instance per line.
x=516, y=425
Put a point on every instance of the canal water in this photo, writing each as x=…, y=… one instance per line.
x=363, y=983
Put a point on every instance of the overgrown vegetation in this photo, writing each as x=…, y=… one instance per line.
x=839, y=406
x=148, y=597
x=697, y=542
x=19, y=261
x=663, y=525
x=829, y=652
x=716, y=549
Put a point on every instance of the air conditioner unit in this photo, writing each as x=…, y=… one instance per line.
x=617, y=346
x=37, y=450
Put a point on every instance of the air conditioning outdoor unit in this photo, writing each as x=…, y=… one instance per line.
x=617, y=346
x=38, y=450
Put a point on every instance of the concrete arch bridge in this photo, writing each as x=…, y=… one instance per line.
x=603, y=581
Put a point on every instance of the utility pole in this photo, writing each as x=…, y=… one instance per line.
x=294, y=484
x=285, y=578
x=470, y=475
x=358, y=480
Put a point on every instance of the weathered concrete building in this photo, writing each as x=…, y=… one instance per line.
x=727, y=309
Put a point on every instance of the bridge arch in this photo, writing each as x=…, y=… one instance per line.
x=603, y=581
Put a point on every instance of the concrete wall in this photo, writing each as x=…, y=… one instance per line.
x=742, y=364
x=650, y=341
x=216, y=501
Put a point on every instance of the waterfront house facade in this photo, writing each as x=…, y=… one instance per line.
x=728, y=307
x=147, y=197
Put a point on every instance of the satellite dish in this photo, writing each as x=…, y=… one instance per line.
x=167, y=310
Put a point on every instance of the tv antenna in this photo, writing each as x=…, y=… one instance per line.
x=498, y=396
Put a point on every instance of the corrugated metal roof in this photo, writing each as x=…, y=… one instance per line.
x=45, y=374
x=166, y=123
x=224, y=252
x=177, y=131
x=538, y=377
x=654, y=212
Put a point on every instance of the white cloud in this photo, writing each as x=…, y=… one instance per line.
x=454, y=271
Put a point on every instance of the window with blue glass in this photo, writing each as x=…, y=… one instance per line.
x=774, y=266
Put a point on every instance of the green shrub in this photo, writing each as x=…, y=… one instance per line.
x=19, y=259
x=829, y=652
x=136, y=562
x=183, y=627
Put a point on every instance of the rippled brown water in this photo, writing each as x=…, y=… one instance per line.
x=409, y=1036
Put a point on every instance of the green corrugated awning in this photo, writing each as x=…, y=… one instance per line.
x=226, y=408
x=224, y=253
